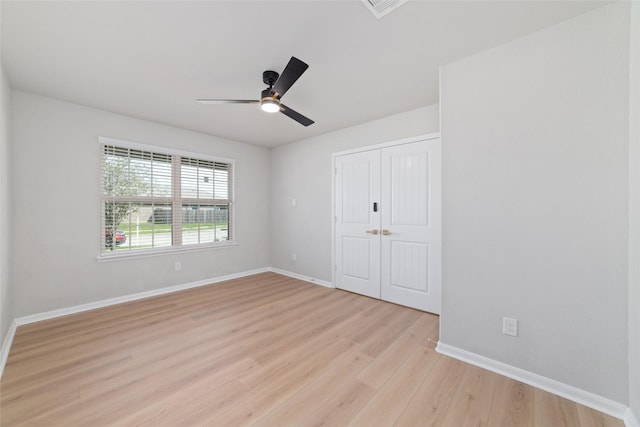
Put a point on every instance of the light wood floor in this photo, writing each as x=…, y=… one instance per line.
x=265, y=350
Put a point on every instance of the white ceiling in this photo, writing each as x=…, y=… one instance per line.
x=151, y=60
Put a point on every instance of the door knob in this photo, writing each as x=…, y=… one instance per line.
x=374, y=231
x=385, y=232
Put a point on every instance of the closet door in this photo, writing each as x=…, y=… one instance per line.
x=357, y=239
x=410, y=225
x=387, y=224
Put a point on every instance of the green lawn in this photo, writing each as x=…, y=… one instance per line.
x=148, y=228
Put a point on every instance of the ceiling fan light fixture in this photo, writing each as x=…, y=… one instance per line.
x=278, y=84
x=270, y=104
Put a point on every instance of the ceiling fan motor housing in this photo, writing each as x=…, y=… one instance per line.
x=270, y=77
x=267, y=94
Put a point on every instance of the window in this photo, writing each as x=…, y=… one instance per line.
x=153, y=198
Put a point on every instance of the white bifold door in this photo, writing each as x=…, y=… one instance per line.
x=388, y=225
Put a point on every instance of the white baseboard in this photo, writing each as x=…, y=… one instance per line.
x=132, y=297
x=630, y=420
x=6, y=345
x=302, y=277
x=591, y=400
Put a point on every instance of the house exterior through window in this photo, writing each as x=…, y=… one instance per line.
x=155, y=199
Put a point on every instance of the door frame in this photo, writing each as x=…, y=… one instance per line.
x=410, y=140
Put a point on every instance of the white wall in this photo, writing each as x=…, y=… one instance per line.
x=634, y=213
x=56, y=220
x=535, y=189
x=6, y=310
x=302, y=170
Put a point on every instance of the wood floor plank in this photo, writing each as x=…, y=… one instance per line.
x=512, y=404
x=266, y=396
x=342, y=405
x=472, y=403
x=389, y=402
x=569, y=411
x=546, y=409
x=379, y=340
x=300, y=326
x=383, y=366
x=264, y=350
x=432, y=400
x=303, y=404
x=592, y=418
x=207, y=396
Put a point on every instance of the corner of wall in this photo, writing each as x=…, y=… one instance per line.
x=6, y=345
x=6, y=311
x=634, y=218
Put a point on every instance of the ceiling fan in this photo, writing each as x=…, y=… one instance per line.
x=279, y=84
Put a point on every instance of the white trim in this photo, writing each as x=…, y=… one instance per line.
x=132, y=297
x=591, y=400
x=162, y=150
x=6, y=345
x=334, y=217
x=302, y=277
x=169, y=250
x=425, y=137
x=630, y=420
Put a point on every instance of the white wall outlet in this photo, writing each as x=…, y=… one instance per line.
x=294, y=202
x=510, y=326
x=294, y=257
x=178, y=266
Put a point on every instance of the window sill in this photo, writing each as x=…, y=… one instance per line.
x=142, y=253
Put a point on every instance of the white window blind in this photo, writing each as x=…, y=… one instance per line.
x=152, y=199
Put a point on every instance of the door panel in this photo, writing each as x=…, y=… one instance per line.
x=357, y=187
x=410, y=252
x=409, y=265
x=409, y=187
x=356, y=259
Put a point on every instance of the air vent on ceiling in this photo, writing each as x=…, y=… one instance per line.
x=381, y=7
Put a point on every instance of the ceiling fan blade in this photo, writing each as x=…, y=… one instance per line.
x=291, y=73
x=305, y=121
x=228, y=101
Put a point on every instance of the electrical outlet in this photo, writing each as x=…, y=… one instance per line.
x=294, y=257
x=510, y=326
x=178, y=266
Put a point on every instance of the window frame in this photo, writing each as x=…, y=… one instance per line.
x=176, y=158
